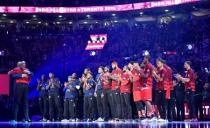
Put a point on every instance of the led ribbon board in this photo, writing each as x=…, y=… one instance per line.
x=89, y=9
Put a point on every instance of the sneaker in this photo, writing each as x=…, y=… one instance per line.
x=73, y=120
x=145, y=120
x=77, y=120
x=127, y=121
x=26, y=121
x=44, y=120
x=116, y=120
x=194, y=120
x=100, y=119
x=187, y=120
x=13, y=122
x=64, y=120
x=153, y=119
x=121, y=121
x=162, y=120
x=111, y=121
x=88, y=120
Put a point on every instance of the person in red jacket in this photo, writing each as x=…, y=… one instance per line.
x=169, y=88
x=137, y=83
x=189, y=82
x=107, y=95
x=115, y=77
x=125, y=91
x=160, y=94
x=22, y=78
x=147, y=88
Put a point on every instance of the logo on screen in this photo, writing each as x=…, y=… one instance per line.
x=96, y=42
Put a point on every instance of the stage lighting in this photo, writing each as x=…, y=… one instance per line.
x=11, y=21
x=145, y=53
x=141, y=13
x=2, y=53
x=60, y=16
x=107, y=23
x=4, y=14
x=166, y=10
x=92, y=53
x=85, y=22
x=88, y=16
x=64, y=44
x=39, y=22
x=113, y=14
x=207, y=70
x=189, y=47
x=34, y=16
x=165, y=19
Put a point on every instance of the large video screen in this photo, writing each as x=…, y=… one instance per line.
x=4, y=84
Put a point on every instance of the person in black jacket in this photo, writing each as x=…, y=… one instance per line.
x=199, y=87
x=89, y=101
x=99, y=94
x=70, y=99
x=43, y=97
x=54, y=97
x=179, y=96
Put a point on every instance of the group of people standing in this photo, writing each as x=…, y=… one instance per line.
x=115, y=95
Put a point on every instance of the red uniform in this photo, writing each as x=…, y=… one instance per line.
x=136, y=85
x=17, y=70
x=168, y=84
x=191, y=84
x=147, y=89
x=160, y=85
x=116, y=73
x=106, y=83
x=136, y=80
x=125, y=86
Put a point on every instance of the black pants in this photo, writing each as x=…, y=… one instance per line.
x=139, y=105
x=171, y=113
x=21, y=98
x=70, y=108
x=198, y=106
x=89, y=107
x=160, y=100
x=43, y=105
x=180, y=106
x=54, y=106
x=107, y=103
x=189, y=94
x=126, y=105
x=99, y=100
x=116, y=104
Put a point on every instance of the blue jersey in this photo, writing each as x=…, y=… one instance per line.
x=71, y=93
x=98, y=82
x=89, y=91
x=42, y=88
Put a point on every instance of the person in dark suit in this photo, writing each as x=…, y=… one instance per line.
x=179, y=96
